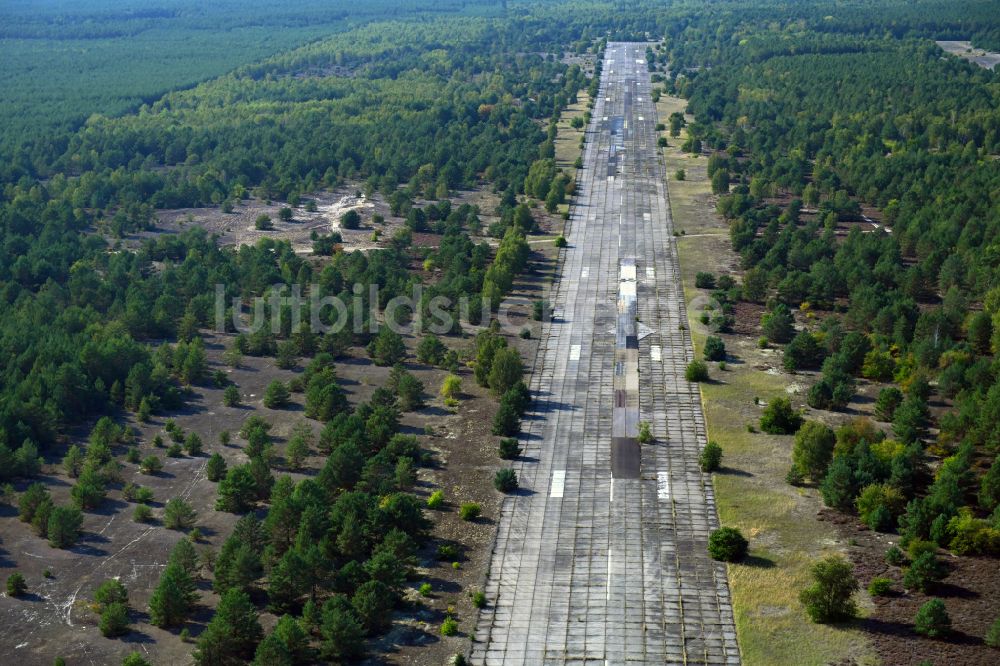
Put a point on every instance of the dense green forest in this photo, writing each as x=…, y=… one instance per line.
x=64, y=61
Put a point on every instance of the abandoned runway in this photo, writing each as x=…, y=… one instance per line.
x=601, y=558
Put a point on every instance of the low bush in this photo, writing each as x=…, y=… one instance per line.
x=932, y=619
x=505, y=480
x=711, y=457
x=696, y=371
x=469, y=511
x=436, y=500
x=727, y=544
x=449, y=627
x=509, y=448
x=895, y=557
x=16, y=585
x=879, y=586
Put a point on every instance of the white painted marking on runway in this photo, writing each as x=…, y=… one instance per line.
x=608, y=597
x=612, y=490
x=585, y=272
x=663, y=485
x=574, y=352
x=650, y=272
x=656, y=353
x=558, y=483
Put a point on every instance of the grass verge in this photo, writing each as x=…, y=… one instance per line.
x=750, y=491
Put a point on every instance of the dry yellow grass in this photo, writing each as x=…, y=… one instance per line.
x=567, y=143
x=750, y=490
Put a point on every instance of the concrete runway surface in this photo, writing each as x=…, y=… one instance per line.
x=601, y=558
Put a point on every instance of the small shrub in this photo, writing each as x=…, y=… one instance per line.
x=509, y=448
x=150, y=465
x=132, y=455
x=992, y=637
x=193, y=444
x=451, y=387
x=711, y=457
x=828, y=599
x=879, y=586
x=561, y=241
x=16, y=585
x=436, y=500
x=704, y=280
x=178, y=515
x=469, y=511
x=478, y=599
x=277, y=395
x=449, y=627
x=932, y=619
x=918, y=547
x=142, y=513
x=645, y=434
x=231, y=396
x=175, y=450
x=114, y=620
x=727, y=544
x=924, y=571
x=895, y=557
x=426, y=589
x=696, y=371
x=128, y=492
x=538, y=310
x=525, y=333
x=505, y=480
x=447, y=551
x=779, y=418
x=215, y=468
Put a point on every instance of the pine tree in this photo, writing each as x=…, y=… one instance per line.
x=215, y=468
x=343, y=635
x=233, y=633
x=173, y=598
x=64, y=526
x=73, y=461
